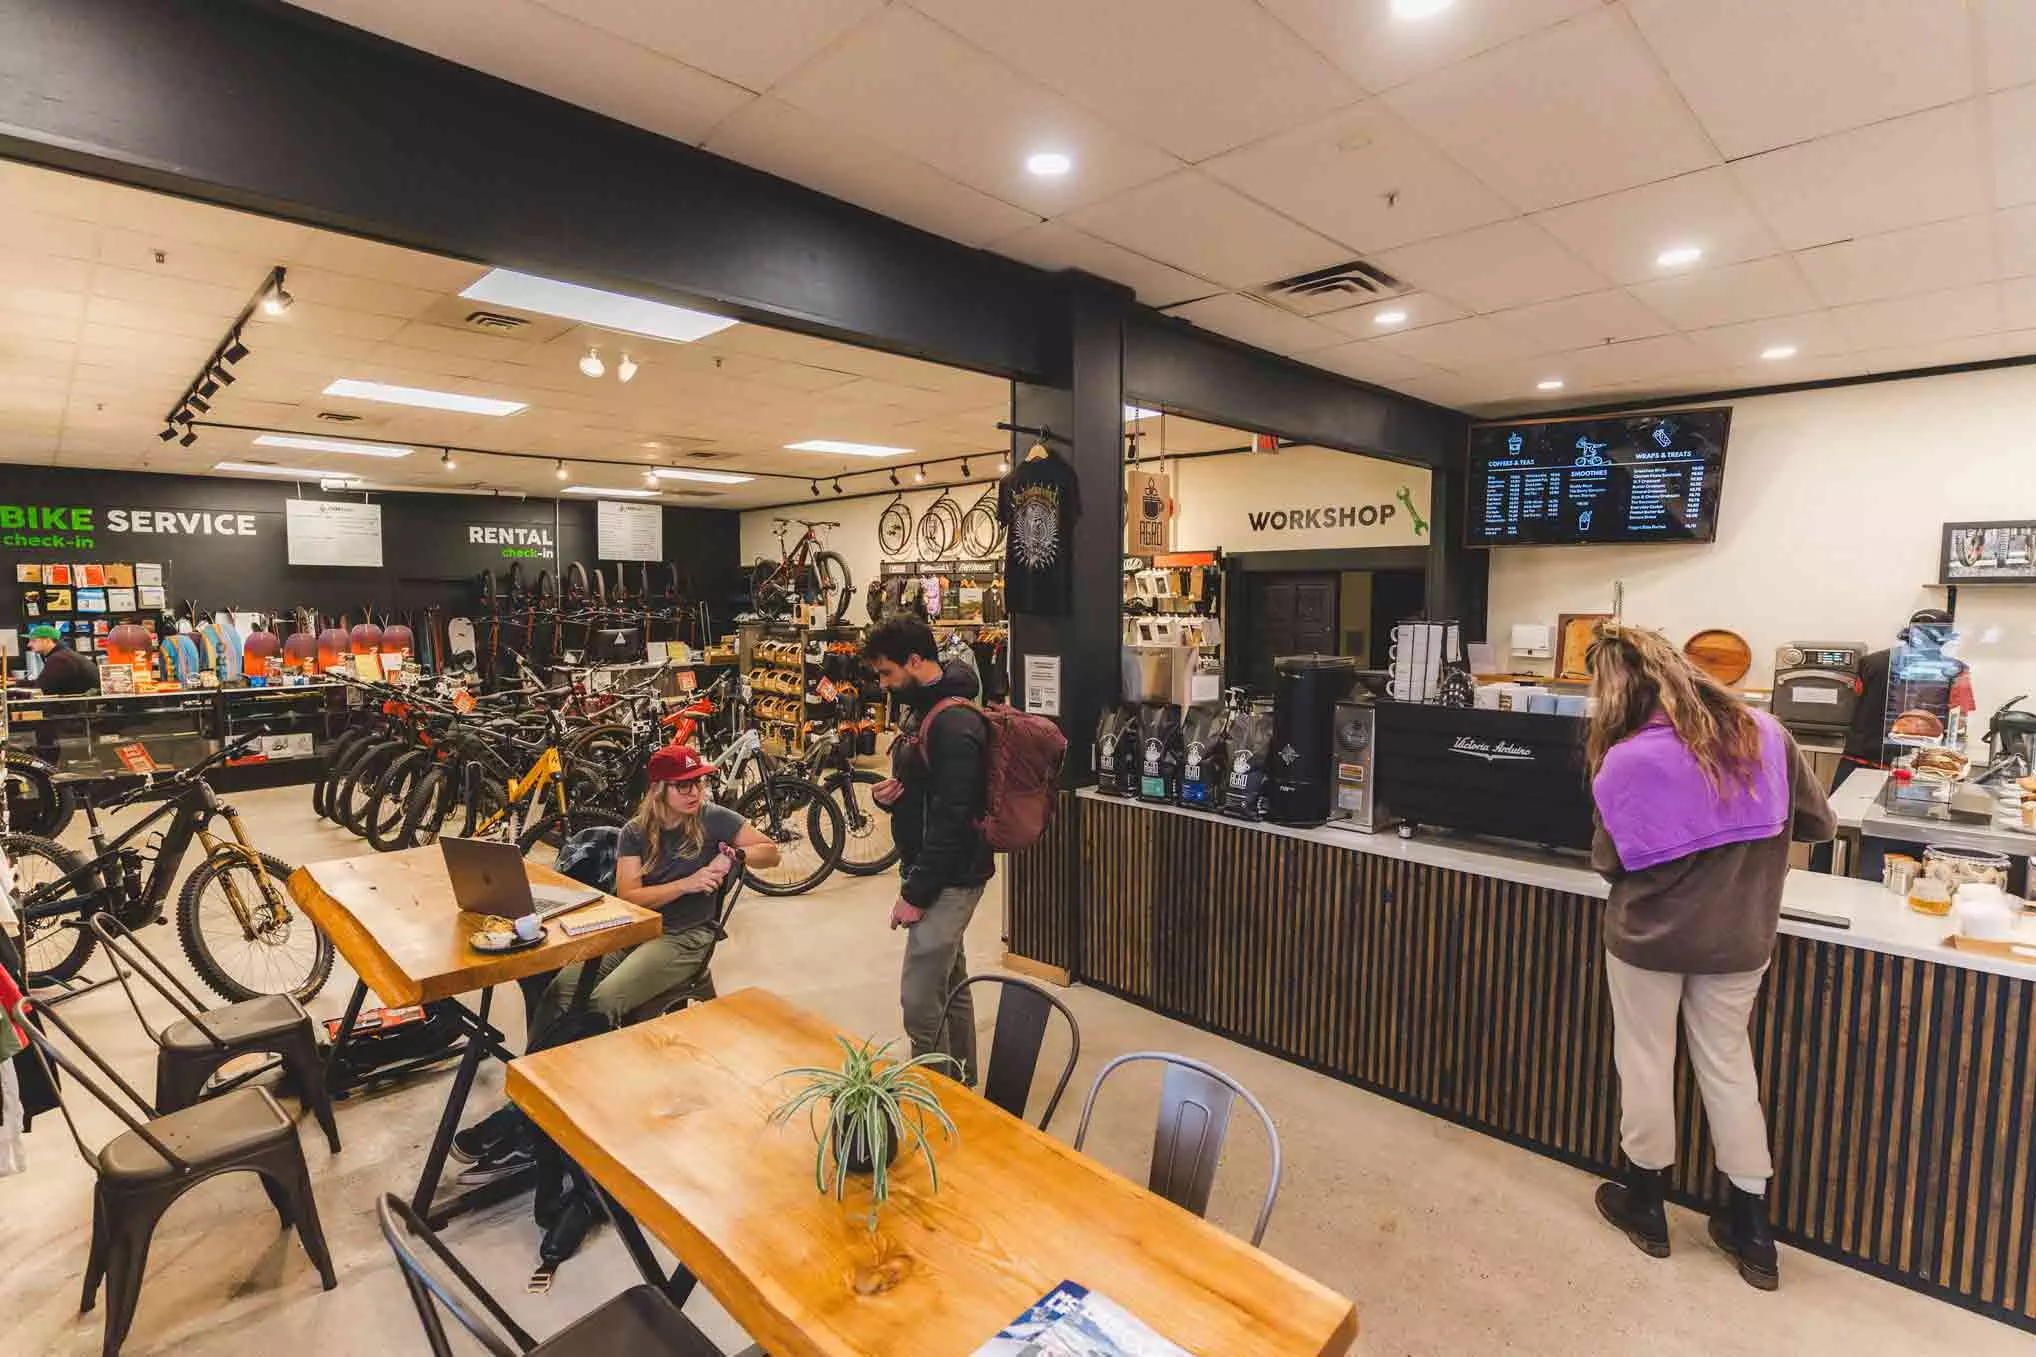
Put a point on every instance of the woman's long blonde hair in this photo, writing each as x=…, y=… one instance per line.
x=650, y=823
x=1635, y=673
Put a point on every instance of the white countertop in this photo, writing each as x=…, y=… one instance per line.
x=1881, y=922
x=1860, y=794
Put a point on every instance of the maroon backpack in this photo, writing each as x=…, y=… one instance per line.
x=1023, y=782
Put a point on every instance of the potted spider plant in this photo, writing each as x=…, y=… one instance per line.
x=873, y=1107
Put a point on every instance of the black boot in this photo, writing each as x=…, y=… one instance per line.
x=1635, y=1207
x=1741, y=1230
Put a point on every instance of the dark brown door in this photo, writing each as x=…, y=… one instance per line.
x=1290, y=615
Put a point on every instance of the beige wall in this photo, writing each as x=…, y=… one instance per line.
x=1236, y=500
x=1829, y=529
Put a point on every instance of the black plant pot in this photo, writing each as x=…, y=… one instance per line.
x=859, y=1160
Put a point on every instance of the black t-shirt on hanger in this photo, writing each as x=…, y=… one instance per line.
x=1038, y=504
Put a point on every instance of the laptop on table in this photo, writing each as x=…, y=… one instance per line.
x=489, y=878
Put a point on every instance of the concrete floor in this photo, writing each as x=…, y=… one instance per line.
x=1449, y=1242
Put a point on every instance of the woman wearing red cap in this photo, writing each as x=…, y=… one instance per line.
x=675, y=857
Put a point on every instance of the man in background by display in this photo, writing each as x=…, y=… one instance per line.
x=65, y=673
x=936, y=793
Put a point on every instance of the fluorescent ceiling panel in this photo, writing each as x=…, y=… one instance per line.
x=264, y=469
x=846, y=449
x=419, y=396
x=592, y=306
x=611, y=494
x=686, y=473
x=1134, y=413
x=290, y=440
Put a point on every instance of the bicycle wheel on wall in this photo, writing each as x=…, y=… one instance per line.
x=982, y=536
x=939, y=528
x=894, y=528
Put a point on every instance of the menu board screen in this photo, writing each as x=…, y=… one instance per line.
x=1637, y=478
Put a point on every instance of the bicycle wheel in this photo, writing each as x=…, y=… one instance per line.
x=339, y=757
x=382, y=821
x=485, y=799
x=833, y=585
x=432, y=801
x=939, y=528
x=765, y=597
x=894, y=528
x=51, y=949
x=36, y=802
x=804, y=823
x=350, y=802
x=278, y=950
x=867, y=847
x=982, y=536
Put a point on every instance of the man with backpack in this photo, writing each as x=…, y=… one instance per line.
x=936, y=794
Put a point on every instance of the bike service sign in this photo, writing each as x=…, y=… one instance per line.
x=513, y=541
x=1299, y=498
x=80, y=527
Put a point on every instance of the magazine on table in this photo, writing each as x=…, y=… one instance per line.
x=1073, y=1321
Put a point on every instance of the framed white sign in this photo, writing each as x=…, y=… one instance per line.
x=334, y=532
x=629, y=532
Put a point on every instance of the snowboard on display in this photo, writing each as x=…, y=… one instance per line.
x=461, y=651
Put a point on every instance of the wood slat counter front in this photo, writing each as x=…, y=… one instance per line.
x=1467, y=980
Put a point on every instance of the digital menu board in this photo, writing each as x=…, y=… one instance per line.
x=1634, y=478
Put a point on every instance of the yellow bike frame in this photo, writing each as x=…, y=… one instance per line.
x=546, y=774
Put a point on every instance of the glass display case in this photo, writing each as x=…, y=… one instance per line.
x=109, y=735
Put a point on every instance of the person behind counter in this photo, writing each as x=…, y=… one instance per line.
x=65, y=673
x=1698, y=797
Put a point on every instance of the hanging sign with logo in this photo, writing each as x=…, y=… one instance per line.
x=1149, y=511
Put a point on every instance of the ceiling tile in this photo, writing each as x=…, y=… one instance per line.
x=1738, y=292
x=1932, y=258
x=920, y=90
x=2007, y=42
x=1948, y=352
x=1577, y=322
x=524, y=42
x=1638, y=360
x=1621, y=234
x=1365, y=38
x=1925, y=167
x=1420, y=308
x=2018, y=303
x=1921, y=319
x=1768, y=73
x=360, y=258
x=1369, y=361
x=1255, y=322
x=822, y=154
x=358, y=294
x=1152, y=66
x=2013, y=118
x=1812, y=335
x=1462, y=344
x=1493, y=268
x=31, y=233
x=2015, y=240
x=1194, y=223
x=1056, y=245
x=31, y=189
x=1535, y=119
x=1363, y=177
x=733, y=42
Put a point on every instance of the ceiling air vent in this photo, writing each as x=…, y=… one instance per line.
x=336, y=417
x=495, y=320
x=1336, y=288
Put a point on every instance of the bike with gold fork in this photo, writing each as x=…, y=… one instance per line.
x=238, y=926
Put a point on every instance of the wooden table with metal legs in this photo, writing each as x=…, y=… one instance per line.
x=395, y=920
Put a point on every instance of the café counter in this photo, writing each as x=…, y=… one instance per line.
x=1466, y=979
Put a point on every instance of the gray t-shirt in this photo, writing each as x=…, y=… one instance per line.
x=719, y=825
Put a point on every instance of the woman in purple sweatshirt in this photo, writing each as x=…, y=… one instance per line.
x=1698, y=797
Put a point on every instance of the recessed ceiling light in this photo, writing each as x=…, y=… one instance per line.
x=417, y=395
x=270, y=469
x=1390, y=318
x=1419, y=9
x=1679, y=255
x=608, y=493
x=684, y=473
x=1549, y=384
x=846, y=449
x=290, y=440
x=1778, y=351
x=592, y=306
x=1049, y=164
x=1134, y=413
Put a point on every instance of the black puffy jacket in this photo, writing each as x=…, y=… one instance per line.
x=944, y=771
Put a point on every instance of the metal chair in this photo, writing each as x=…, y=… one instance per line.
x=190, y=1050
x=1194, y=1118
x=640, y=1320
x=1022, y=1014
x=144, y=1170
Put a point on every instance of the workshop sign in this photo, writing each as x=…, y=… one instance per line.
x=1299, y=498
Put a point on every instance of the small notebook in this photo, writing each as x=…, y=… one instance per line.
x=591, y=923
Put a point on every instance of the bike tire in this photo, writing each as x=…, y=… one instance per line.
x=351, y=800
x=55, y=960
x=939, y=526
x=836, y=584
x=763, y=600
x=894, y=528
x=982, y=536
x=382, y=823
x=805, y=824
x=300, y=981
x=338, y=755
x=428, y=806
x=484, y=797
x=36, y=802
x=865, y=825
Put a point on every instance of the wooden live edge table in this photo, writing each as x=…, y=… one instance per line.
x=394, y=918
x=670, y=1118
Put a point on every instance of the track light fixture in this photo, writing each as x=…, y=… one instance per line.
x=1004, y=465
x=190, y=437
x=215, y=375
x=234, y=350
x=560, y=472
x=182, y=416
x=445, y=459
x=169, y=432
x=816, y=490
x=894, y=477
x=591, y=364
x=919, y=475
x=221, y=374
x=625, y=369
x=650, y=477
x=964, y=468
x=199, y=403
x=837, y=485
x=208, y=388
x=276, y=301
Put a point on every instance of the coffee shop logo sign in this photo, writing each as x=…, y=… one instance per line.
x=1505, y=751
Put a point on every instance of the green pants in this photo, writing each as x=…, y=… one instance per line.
x=625, y=979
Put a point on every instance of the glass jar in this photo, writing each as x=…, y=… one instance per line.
x=1956, y=867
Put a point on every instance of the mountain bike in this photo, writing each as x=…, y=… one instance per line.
x=244, y=936
x=867, y=847
x=808, y=573
x=36, y=802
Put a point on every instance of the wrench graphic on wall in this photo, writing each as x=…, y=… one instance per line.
x=1406, y=497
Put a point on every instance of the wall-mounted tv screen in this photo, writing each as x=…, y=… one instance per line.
x=1630, y=478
